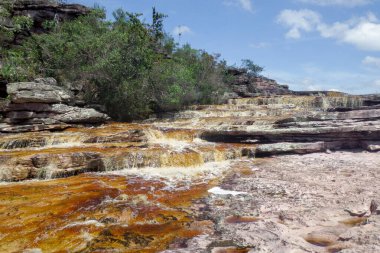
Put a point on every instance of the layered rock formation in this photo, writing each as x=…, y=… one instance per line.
x=39, y=11
x=324, y=130
x=42, y=105
x=249, y=127
x=42, y=10
x=289, y=124
x=149, y=183
x=245, y=85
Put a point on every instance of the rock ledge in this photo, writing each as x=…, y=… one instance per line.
x=42, y=105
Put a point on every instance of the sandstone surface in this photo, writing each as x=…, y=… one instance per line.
x=43, y=105
x=198, y=180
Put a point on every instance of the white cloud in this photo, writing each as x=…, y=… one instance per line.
x=328, y=79
x=363, y=32
x=245, y=4
x=181, y=30
x=346, y=3
x=371, y=61
x=298, y=21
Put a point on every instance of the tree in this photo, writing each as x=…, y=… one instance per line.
x=157, y=26
x=252, y=68
x=131, y=67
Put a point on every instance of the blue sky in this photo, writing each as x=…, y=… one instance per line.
x=308, y=44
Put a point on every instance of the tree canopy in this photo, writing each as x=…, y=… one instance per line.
x=131, y=67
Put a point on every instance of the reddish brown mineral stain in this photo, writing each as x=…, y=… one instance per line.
x=95, y=213
x=241, y=219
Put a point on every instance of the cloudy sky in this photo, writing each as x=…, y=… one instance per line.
x=308, y=44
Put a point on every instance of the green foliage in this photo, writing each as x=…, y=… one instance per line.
x=18, y=67
x=22, y=23
x=157, y=26
x=189, y=77
x=252, y=68
x=11, y=26
x=131, y=67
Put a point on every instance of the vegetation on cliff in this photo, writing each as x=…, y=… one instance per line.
x=131, y=67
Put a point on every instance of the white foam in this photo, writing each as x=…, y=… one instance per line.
x=35, y=250
x=84, y=223
x=206, y=171
x=220, y=191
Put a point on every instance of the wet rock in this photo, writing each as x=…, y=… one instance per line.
x=6, y=128
x=45, y=166
x=128, y=136
x=22, y=143
x=21, y=170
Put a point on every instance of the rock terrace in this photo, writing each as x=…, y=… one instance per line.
x=42, y=105
x=192, y=181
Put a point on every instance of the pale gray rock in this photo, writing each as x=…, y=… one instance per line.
x=71, y=114
x=47, y=81
x=372, y=146
x=42, y=105
x=298, y=148
x=7, y=128
x=32, y=92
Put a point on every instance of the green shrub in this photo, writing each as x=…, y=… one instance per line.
x=131, y=67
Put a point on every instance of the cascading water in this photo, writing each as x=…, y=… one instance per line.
x=146, y=177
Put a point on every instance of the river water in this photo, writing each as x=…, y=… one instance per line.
x=124, y=187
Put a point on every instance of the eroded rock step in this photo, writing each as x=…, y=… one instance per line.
x=277, y=125
x=132, y=207
x=113, y=147
x=316, y=131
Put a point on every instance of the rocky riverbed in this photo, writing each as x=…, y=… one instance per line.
x=286, y=173
x=309, y=203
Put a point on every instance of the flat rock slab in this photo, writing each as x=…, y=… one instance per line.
x=6, y=128
x=71, y=114
x=298, y=202
x=308, y=134
x=33, y=92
